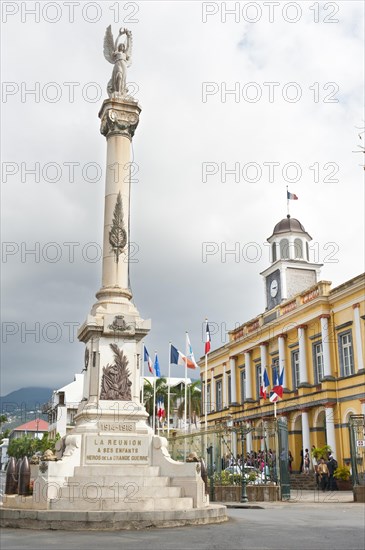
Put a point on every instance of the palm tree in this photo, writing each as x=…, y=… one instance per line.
x=161, y=390
x=193, y=402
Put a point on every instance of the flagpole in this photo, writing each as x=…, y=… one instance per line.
x=287, y=200
x=168, y=392
x=154, y=399
x=142, y=389
x=186, y=379
x=274, y=409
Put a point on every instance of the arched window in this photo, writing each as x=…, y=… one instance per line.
x=273, y=249
x=298, y=248
x=284, y=249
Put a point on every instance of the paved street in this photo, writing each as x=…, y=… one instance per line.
x=323, y=525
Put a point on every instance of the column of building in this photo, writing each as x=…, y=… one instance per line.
x=282, y=362
x=330, y=428
x=303, y=375
x=232, y=364
x=213, y=405
x=305, y=430
x=224, y=387
x=359, y=350
x=327, y=371
x=248, y=374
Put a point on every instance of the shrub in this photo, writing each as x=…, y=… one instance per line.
x=342, y=472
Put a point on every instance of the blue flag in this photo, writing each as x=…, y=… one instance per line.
x=157, y=366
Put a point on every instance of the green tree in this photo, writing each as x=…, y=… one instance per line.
x=161, y=390
x=193, y=405
x=4, y=434
x=23, y=446
x=27, y=445
x=3, y=419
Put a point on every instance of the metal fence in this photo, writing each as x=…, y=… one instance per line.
x=357, y=446
x=235, y=449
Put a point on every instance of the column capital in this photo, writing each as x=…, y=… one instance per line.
x=283, y=335
x=329, y=406
x=119, y=117
x=266, y=343
x=355, y=306
x=233, y=357
x=362, y=400
x=305, y=409
x=325, y=316
x=249, y=351
x=303, y=326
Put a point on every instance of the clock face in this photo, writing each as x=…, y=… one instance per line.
x=274, y=287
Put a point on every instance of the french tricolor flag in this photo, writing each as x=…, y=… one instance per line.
x=207, y=339
x=265, y=383
x=147, y=359
x=291, y=196
x=178, y=358
x=160, y=408
x=278, y=389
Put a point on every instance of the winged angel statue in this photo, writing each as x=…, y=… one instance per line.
x=119, y=53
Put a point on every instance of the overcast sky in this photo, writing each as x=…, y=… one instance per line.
x=299, y=97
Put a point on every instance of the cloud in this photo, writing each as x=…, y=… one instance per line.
x=173, y=212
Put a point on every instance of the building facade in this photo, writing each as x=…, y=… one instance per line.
x=62, y=407
x=315, y=333
x=34, y=428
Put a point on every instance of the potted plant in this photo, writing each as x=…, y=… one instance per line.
x=321, y=452
x=342, y=476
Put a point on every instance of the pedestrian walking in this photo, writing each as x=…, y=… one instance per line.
x=323, y=474
x=306, y=462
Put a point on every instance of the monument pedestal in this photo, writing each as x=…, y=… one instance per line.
x=112, y=472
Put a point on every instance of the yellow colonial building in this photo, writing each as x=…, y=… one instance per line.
x=312, y=331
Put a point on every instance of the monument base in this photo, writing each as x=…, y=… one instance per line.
x=110, y=521
x=113, y=481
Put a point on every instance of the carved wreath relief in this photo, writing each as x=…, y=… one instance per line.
x=115, y=383
x=118, y=234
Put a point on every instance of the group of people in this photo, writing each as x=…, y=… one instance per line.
x=305, y=462
x=324, y=469
x=324, y=473
x=264, y=461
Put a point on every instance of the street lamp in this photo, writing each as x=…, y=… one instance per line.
x=244, y=428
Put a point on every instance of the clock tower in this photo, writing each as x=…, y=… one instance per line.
x=290, y=271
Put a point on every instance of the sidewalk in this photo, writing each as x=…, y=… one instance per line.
x=301, y=497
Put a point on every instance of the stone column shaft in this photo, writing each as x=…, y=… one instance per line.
x=303, y=376
x=249, y=442
x=248, y=374
x=281, y=346
x=330, y=430
x=119, y=119
x=224, y=387
x=213, y=404
x=327, y=371
x=359, y=350
x=232, y=363
x=305, y=431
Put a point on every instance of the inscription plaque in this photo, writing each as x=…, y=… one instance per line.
x=123, y=427
x=122, y=449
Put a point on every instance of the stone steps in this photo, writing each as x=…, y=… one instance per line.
x=125, y=490
x=118, y=488
x=110, y=480
x=145, y=504
x=96, y=471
